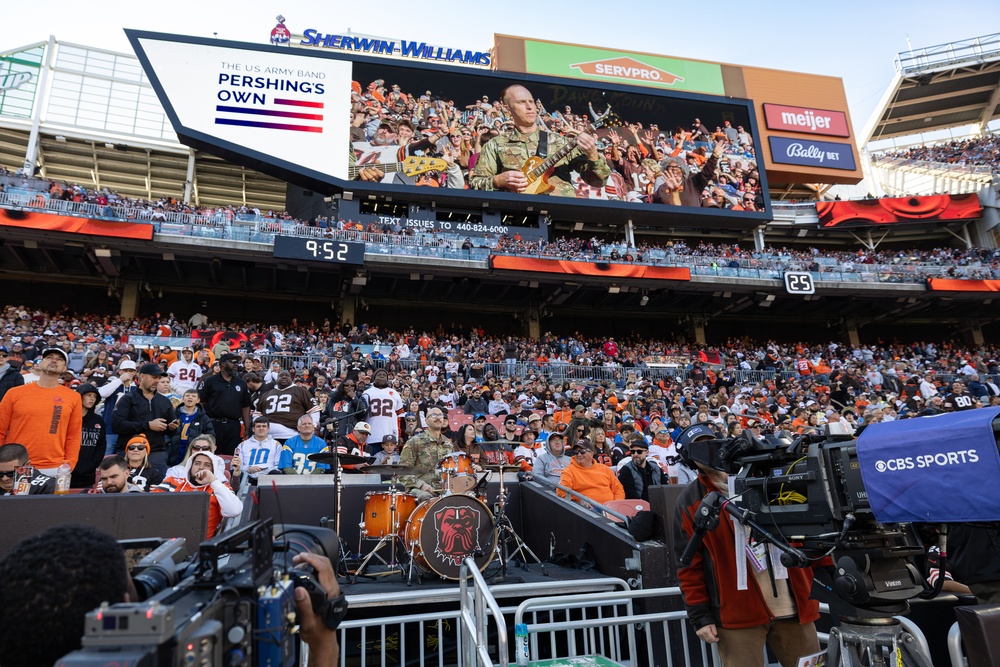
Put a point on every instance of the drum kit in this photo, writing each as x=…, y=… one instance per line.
x=435, y=535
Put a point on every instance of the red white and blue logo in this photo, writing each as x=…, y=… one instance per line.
x=307, y=115
x=280, y=35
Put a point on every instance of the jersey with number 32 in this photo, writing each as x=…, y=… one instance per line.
x=383, y=408
x=285, y=406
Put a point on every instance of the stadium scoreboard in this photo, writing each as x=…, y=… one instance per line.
x=288, y=113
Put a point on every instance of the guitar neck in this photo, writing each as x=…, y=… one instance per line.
x=554, y=159
x=387, y=168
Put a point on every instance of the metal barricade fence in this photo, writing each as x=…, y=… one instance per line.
x=609, y=625
x=477, y=607
x=400, y=639
x=439, y=637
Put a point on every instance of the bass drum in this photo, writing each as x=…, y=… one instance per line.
x=442, y=532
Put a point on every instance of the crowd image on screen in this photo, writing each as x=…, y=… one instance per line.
x=389, y=125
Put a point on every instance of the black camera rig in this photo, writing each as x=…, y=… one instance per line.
x=230, y=604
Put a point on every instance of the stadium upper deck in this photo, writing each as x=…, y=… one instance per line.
x=98, y=124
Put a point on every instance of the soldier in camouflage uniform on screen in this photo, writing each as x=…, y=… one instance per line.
x=499, y=164
x=425, y=450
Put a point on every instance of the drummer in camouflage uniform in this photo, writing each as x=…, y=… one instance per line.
x=499, y=165
x=425, y=450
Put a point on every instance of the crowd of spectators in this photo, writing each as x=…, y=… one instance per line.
x=389, y=124
x=909, y=265
x=981, y=151
x=740, y=374
x=984, y=262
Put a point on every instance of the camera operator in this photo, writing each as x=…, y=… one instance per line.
x=768, y=609
x=50, y=581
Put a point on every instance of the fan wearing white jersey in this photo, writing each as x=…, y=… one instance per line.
x=384, y=406
x=284, y=404
x=184, y=373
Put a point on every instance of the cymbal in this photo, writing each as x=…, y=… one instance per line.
x=334, y=457
x=394, y=470
x=501, y=467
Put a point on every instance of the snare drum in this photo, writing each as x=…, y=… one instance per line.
x=457, y=473
x=443, y=531
x=378, y=522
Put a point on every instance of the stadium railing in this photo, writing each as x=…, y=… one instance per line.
x=991, y=171
x=259, y=229
x=558, y=372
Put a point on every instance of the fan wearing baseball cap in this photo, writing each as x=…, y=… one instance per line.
x=147, y=412
x=44, y=416
x=586, y=476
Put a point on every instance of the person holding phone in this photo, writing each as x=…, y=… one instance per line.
x=146, y=412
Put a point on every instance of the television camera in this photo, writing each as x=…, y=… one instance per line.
x=851, y=497
x=232, y=603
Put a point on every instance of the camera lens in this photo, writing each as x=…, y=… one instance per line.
x=154, y=579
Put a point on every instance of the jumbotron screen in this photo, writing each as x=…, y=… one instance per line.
x=461, y=136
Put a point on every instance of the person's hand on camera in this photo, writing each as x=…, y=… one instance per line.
x=322, y=640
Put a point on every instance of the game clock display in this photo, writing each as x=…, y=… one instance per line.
x=319, y=250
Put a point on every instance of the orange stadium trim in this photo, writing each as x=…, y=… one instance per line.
x=71, y=225
x=950, y=285
x=603, y=269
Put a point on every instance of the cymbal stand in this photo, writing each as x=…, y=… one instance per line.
x=339, y=490
x=504, y=532
x=394, y=567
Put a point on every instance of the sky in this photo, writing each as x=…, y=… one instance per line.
x=855, y=40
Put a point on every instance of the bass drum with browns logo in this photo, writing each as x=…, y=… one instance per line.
x=442, y=532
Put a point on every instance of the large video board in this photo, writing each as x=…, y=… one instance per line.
x=460, y=136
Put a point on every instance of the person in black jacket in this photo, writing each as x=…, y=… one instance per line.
x=9, y=375
x=193, y=422
x=146, y=412
x=93, y=440
x=974, y=559
x=347, y=406
x=638, y=474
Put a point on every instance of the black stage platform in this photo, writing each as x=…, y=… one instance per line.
x=557, y=581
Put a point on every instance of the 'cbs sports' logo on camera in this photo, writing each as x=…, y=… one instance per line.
x=941, y=460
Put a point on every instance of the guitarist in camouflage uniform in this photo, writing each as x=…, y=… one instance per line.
x=425, y=450
x=501, y=163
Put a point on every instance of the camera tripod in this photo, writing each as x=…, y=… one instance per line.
x=874, y=642
x=504, y=532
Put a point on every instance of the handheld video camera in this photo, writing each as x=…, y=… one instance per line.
x=230, y=604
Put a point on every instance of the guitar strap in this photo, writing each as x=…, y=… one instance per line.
x=543, y=144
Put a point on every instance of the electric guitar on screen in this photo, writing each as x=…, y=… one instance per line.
x=411, y=166
x=538, y=169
